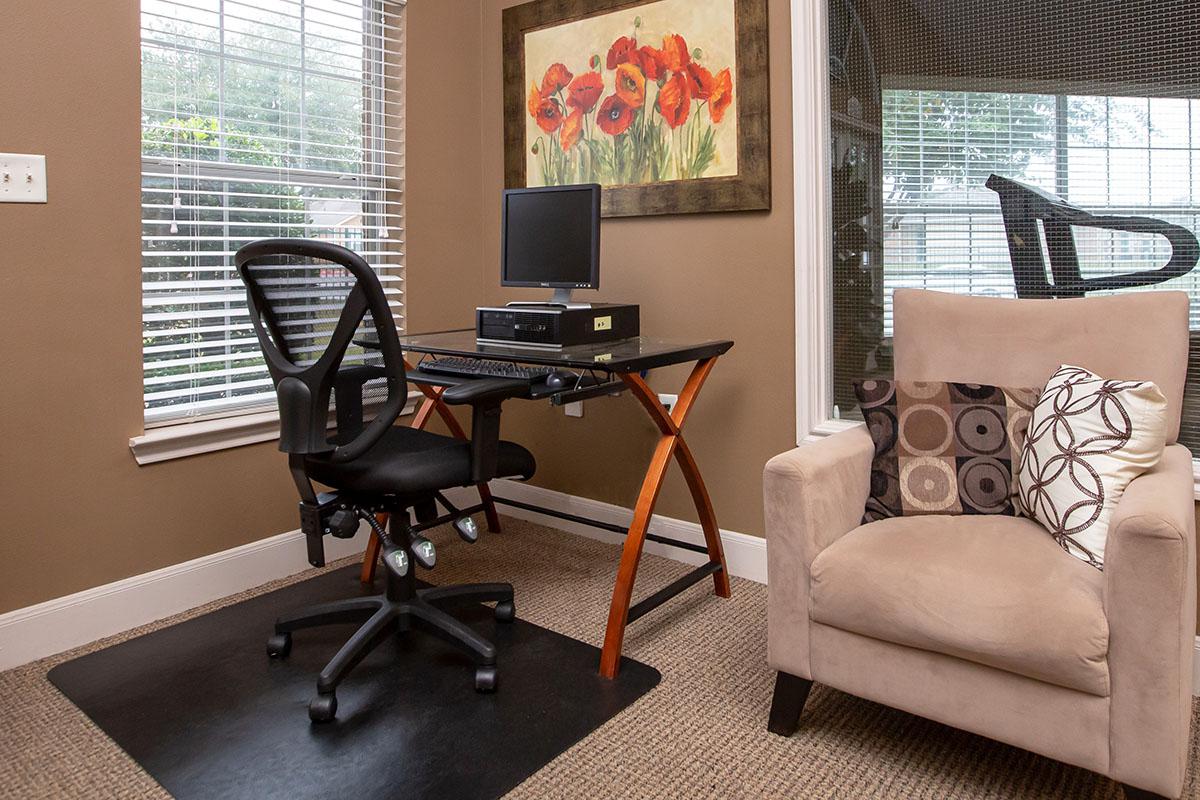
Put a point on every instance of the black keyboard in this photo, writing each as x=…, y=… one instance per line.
x=476, y=368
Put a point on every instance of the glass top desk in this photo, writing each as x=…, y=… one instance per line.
x=602, y=370
x=598, y=366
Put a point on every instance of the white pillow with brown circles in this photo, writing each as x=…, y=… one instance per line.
x=1088, y=438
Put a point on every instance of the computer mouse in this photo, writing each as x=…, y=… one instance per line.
x=559, y=380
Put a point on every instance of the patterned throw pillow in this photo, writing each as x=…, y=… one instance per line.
x=942, y=448
x=1088, y=439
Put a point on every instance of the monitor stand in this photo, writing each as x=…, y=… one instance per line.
x=561, y=297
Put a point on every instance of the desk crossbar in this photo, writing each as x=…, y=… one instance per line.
x=595, y=523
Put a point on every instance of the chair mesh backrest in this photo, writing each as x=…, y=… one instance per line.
x=309, y=301
x=303, y=303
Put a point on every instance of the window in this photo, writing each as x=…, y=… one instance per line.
x=1111, y=155
x=260, y=118
x=927, y=100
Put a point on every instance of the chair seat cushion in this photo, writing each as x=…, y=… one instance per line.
x=411, y=461
x=994, y=590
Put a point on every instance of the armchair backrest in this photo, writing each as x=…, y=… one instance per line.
x=1005, y=342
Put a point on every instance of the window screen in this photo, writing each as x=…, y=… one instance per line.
x=260, y=118
x=1095, y=102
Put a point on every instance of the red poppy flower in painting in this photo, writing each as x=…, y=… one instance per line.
x=614, y=117
x=572, y=127
x=675, y=53
x=722, y=95
x=557, y=76
x=651, y=62
x=535, y=99
x=675, y=100
x=654, y=91
x=584, y=91
x=631, y=85
x=621, y=51
x=545, y=112
x=700, y=81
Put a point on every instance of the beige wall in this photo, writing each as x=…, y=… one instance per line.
x=696, y=277
x=77, y=510
x=442, y=155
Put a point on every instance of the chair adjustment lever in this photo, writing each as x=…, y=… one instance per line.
x=466, y=528
x=395, y=558
x=423, y=550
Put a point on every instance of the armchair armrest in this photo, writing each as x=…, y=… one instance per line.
x=817, y=492
x=812, y=495
x=485, y=396
x=1150, y=603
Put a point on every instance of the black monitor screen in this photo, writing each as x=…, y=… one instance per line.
x=552, y=237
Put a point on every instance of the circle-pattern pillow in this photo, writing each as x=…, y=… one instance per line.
x=942, y=448
x=1089, y=437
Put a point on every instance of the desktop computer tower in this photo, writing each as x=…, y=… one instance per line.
x=556, y=326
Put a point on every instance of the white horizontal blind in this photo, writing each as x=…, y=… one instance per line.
x=260, y=118
x=1129, y=156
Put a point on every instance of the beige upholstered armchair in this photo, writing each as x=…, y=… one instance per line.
x=983, y=622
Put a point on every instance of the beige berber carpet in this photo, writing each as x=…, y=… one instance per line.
x=700, y=733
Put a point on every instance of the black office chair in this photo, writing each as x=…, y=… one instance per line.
x=308, y=301
x=1022, y=206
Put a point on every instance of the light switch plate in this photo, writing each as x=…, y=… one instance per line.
x=22, y=178
x=574, y=409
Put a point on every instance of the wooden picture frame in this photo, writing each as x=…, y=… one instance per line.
x=747, y=190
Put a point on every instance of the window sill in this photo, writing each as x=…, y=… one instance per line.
x=208, y=436
x=829, y=427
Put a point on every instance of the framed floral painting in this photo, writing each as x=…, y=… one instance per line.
x=664, y=103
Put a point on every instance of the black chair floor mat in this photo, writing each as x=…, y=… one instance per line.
x=204, y=711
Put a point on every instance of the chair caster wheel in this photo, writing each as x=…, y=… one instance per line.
x=505, y=611
x=323, y=708
x=279, y=645
x=485, y=679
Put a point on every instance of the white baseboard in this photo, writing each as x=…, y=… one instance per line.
x=745, y=555
x=46, y=629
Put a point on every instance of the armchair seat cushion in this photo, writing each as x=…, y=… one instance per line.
x=994, y=590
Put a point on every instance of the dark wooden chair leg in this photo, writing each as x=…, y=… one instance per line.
x=1134, y=793
x=790, y=695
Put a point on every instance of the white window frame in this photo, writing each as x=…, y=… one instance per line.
x=813, y=239
x=813, y=243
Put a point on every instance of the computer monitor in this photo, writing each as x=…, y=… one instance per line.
x=551, y=238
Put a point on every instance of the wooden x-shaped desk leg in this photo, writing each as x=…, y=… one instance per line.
x=431, y=403
x=670, y=443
